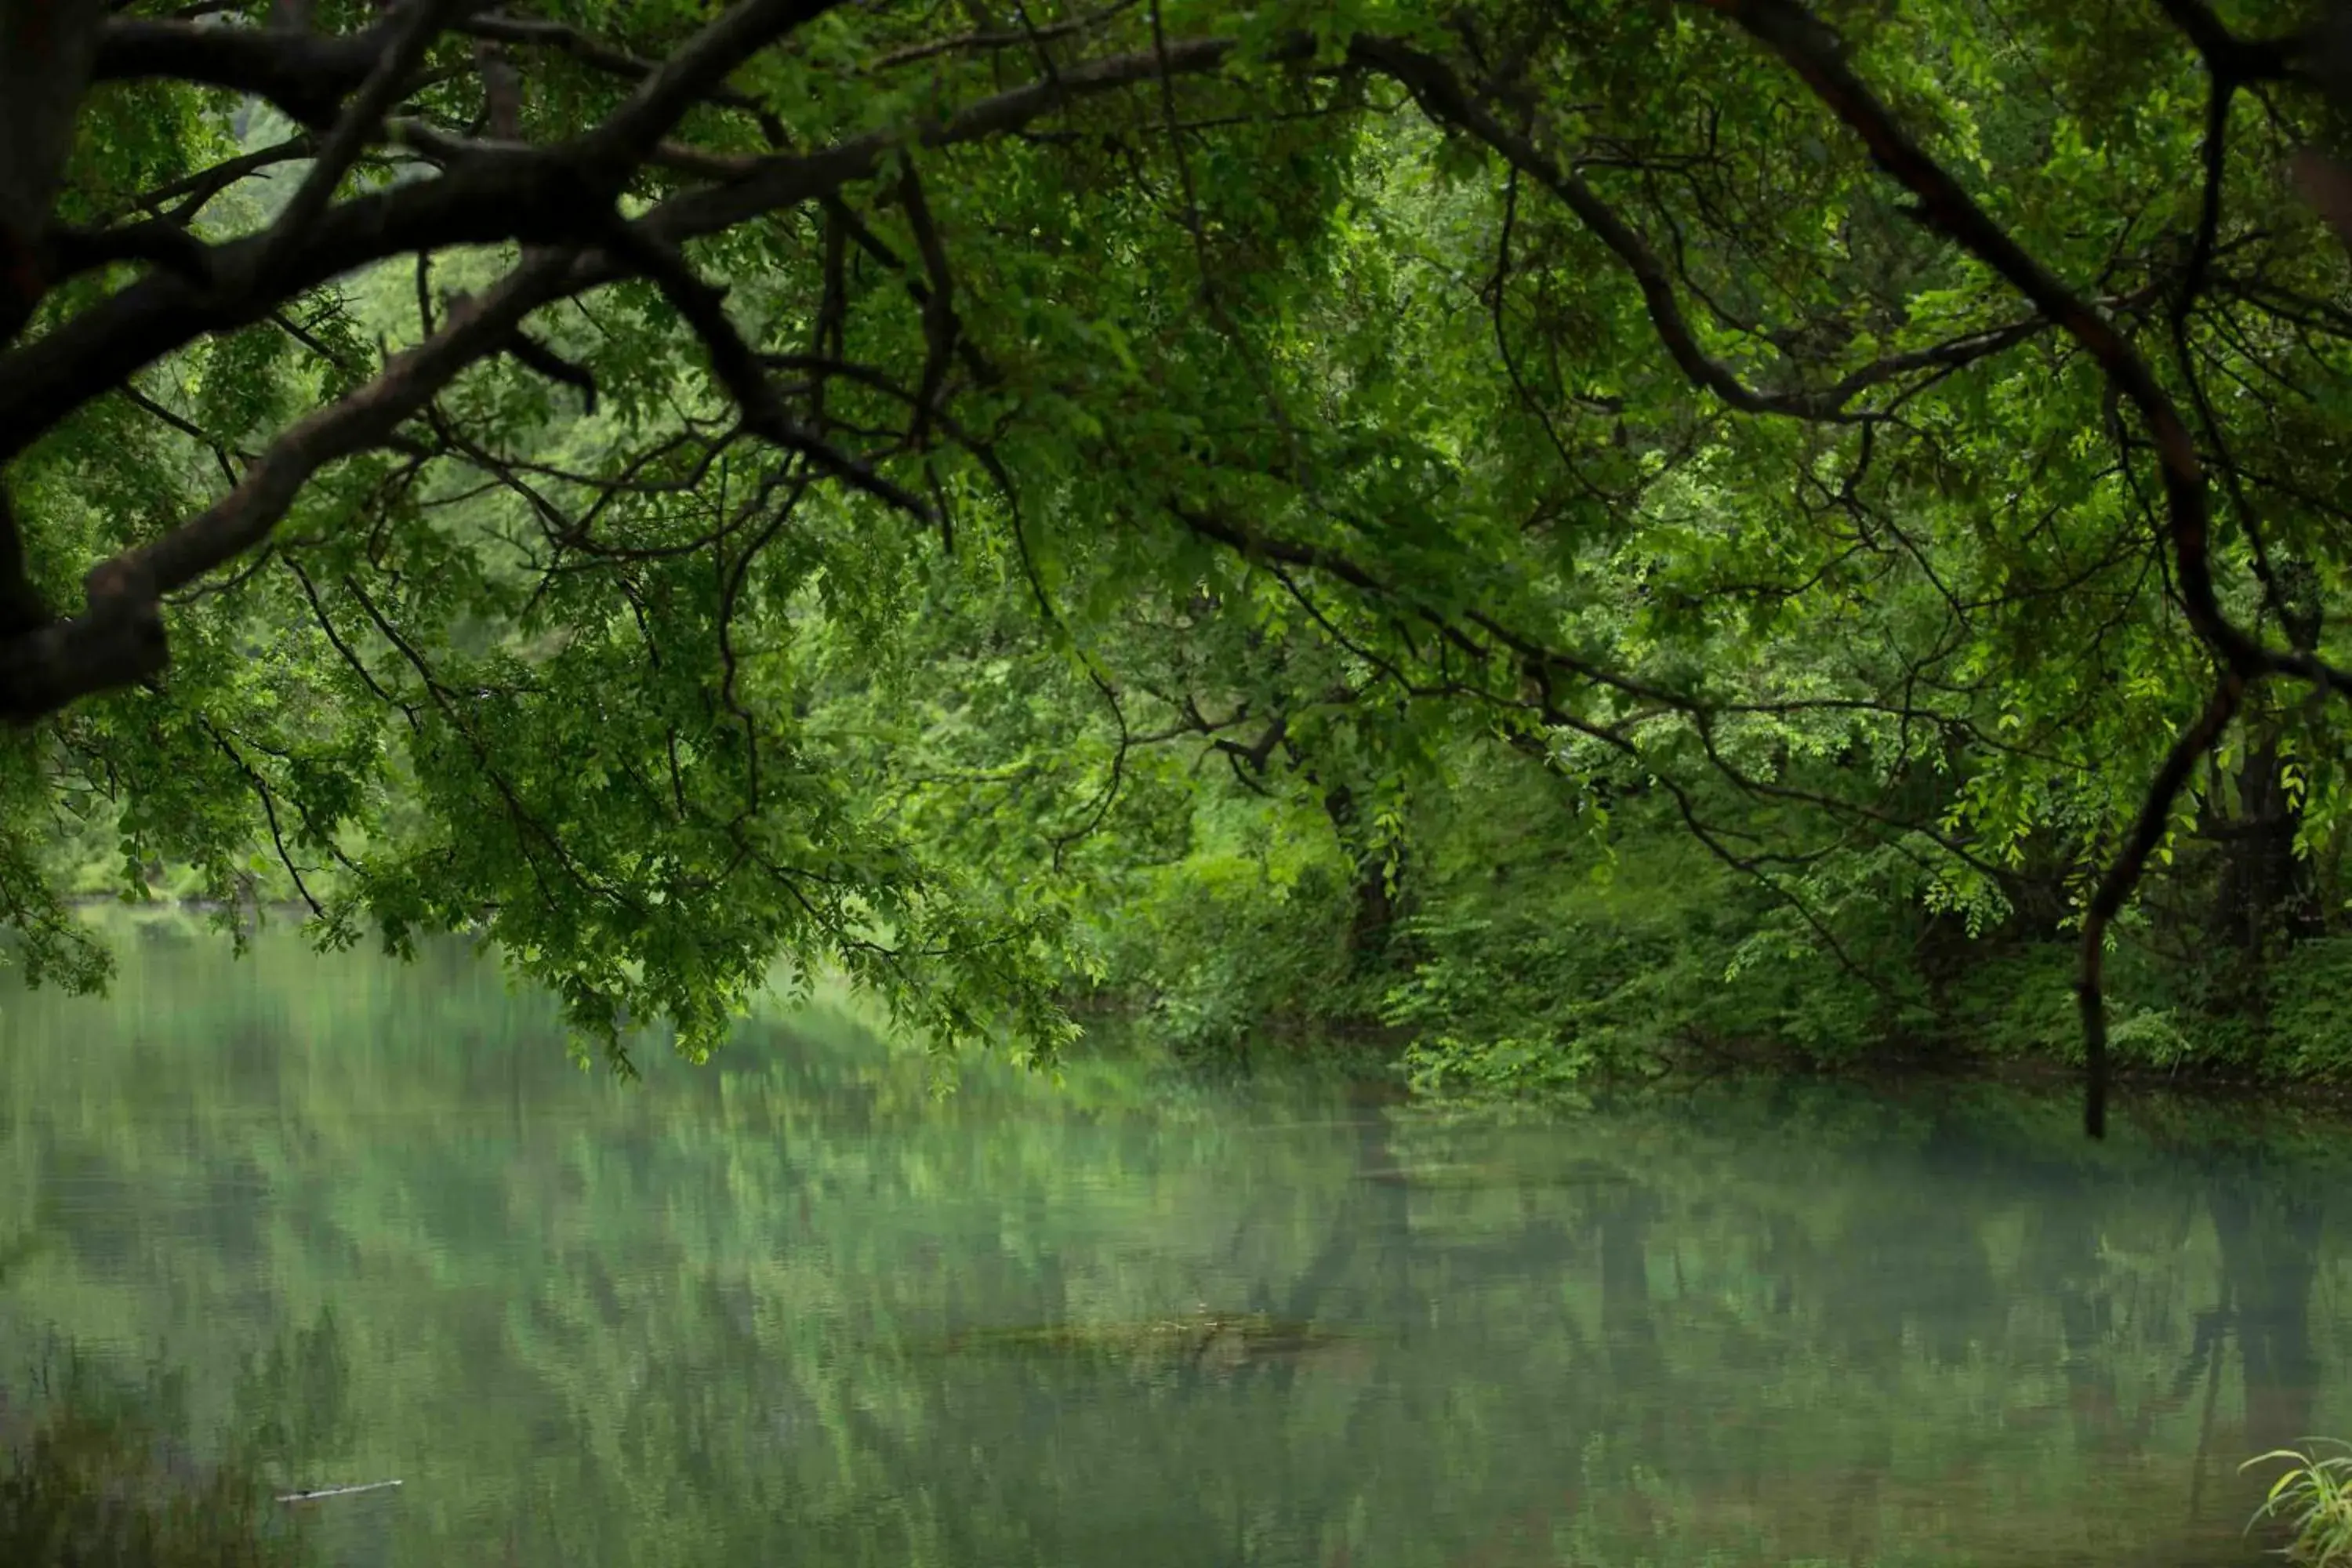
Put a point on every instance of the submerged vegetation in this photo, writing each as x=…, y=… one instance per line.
x=1202, y=1340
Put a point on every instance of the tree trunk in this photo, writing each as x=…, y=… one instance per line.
x=1373, y=913
x=46, y=50
x=2263, y=895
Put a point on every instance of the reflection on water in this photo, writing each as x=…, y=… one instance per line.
x=793, y=1308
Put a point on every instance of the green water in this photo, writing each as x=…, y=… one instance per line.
x=792, y=1308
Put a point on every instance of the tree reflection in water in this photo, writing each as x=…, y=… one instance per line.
x=796, y=1307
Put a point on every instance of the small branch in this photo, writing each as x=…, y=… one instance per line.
x=695, y=69
x=1443, y=96
x=1818, y=56
x=364, y=418
x=529, y=353
x=187, y=197
x=737, y=366
x=1009, y=39
x=269, y=810
x=564, y=38
x=159, y=242
x=940, y=327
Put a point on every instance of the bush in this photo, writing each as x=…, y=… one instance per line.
x=2310, y=996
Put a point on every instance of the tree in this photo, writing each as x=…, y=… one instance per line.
x=1815, y=420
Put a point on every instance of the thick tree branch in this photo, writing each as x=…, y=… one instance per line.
x=156, y=241
x=47, y=47
x=387, y=81
x=118, y=637
x=2232, y=59
x=45, y=380
x=534, y=198
x=116, y=641
x=242, y=518
x=307, y=75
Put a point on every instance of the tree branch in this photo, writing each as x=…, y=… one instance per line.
x=1818, y=56
x=387, y=81
x=737, y=367
x=1445, y=97
x=2122, y=875
x=2229, y=58
x=534, y=198
x=47, y=48
x=307, y=75
x=242, y=518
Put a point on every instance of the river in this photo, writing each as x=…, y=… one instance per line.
x=822, y=1301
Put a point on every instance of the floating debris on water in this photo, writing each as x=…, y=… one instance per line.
x=1218, y=1340
x=313, y=1495
x=1453, y=1174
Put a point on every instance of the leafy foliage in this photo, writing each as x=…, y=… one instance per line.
x=2312, y=1498
x=1145, y=462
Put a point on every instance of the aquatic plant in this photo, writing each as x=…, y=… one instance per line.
x=2313, y=1497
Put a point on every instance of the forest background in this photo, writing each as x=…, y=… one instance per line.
x=1561, y=540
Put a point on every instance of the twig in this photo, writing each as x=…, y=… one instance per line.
x=315, y=1495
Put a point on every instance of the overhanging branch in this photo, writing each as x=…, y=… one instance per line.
x=534, y=198
x=306, y=75
x=1819, y=58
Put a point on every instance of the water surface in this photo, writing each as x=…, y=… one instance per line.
x=793, y=1308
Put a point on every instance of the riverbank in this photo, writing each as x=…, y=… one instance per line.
x=2011, y=1023
x=1542, y=1012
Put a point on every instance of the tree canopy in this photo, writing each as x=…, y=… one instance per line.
x=670, y=487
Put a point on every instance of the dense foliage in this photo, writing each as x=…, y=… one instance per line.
x=1574, y=531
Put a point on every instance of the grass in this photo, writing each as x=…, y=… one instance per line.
x=2313, y=1497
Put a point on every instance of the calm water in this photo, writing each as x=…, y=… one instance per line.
x=793, y=1309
